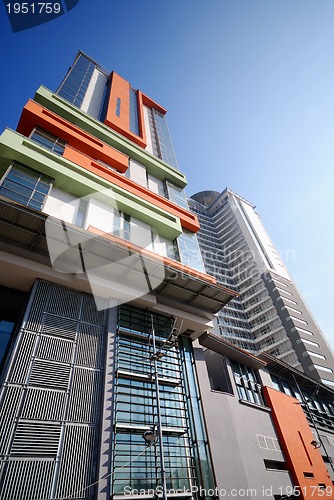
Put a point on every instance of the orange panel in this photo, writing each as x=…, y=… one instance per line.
x=305, y=463
x=34, y=115
x=188, y=220
x=120, y=89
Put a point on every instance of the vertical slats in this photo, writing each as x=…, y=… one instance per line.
x=77, y=462
x=9, y=408
x=53, y=390
x=28, y=479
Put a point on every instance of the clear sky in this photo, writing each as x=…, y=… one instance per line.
x=249, y=86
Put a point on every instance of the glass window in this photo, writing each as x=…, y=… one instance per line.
x=122, y=225
x=276, y=383
x=176, y=194
x=163, y=147
x=81, y=213
x=48, y=141
x=134, y=125
x=76, y=82
x=189, y=252
x=26, y=186
x=11, y=305
x=247, y=383
x=118, y=106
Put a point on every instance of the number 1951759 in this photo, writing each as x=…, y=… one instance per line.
x=33, y=8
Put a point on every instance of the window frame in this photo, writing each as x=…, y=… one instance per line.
x=39, y=176
x=57, y=142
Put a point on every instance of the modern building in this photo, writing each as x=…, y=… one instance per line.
x=112, y=385
x=269, y=314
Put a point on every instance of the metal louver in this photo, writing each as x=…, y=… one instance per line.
x=50, y=399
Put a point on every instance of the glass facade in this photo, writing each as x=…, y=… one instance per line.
x=122, y=225
x=189, y=252
x=26, y=186
x=164, y=145
x=184, y=447
x=250, y=320
x=76, y=82
x=11, y=306
x=248, y=387
x=134, y=124
x=176, y=195
x=48, y=141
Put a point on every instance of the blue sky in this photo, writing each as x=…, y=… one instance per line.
x=249, y=86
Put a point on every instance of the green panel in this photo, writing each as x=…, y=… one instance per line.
x=154, y=165
x=78, y=181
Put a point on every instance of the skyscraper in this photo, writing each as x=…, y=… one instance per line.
x=269, y=315
x=112, y=382
x=100, y=274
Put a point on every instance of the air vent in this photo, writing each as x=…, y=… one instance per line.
x=268, y=443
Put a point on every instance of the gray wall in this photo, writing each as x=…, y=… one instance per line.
x=232, y=430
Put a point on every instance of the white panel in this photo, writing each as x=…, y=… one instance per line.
x=149, y=147
x=163, y=246
x=140, y=233
x=100, y=216
x=61, y=205
x=93, y=97
x=155, y=185
x=138, y=173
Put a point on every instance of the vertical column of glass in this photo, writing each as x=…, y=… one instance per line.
x=137, y=467
x=134, y=123
x=199, y=441
x=76, y=82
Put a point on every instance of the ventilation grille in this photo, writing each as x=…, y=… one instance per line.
x=50, y=374
x=64, y=302
x=58, y=326
x=51, y=401
x=8, y=411
x=36, y=440
x=78, y=457
x=89, y=348
x=23, y=358
x=44, y=404
x=35, y=478
x=84, y=396
x=55, y=349
x=268, y=443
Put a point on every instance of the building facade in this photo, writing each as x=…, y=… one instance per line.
x=112, y=385
x=269, y=315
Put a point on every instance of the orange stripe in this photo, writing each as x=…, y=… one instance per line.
x=188, y=220
x=34, y=115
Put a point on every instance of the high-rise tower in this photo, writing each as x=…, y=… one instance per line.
x=100, y=276
x=269, y=315
x=112, y=384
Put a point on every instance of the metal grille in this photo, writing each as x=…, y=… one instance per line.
x=79, y=443
x=9, y=406
x=36, y=439
x=44, y=404
x=52, y=389
x=55, y=349
x=84, y=397
x=50, y=374
x=61, y=327
x=24, y=355
x=26, y=480
x=89, y=348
